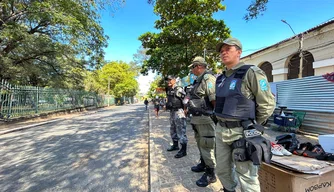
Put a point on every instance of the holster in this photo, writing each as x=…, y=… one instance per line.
x=239, y=152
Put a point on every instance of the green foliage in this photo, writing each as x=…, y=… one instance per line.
x=256, y=8
x=50, y=42
x=117, y=76
x=186, y=29
x=157, y=82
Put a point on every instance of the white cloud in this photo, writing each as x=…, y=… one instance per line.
x=145, y=81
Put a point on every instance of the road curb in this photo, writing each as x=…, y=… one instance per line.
x=28, y=126
x=153, y=174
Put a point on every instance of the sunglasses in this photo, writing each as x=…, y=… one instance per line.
x=194, y=66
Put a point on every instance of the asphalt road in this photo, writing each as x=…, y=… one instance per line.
x=103, y=151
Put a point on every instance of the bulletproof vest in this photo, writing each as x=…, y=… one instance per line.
x=230, y=102
x=174, y=102
x=199, y=105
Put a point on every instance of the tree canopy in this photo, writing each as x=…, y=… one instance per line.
x=256, y=8
x=117, y=77
x=186, y=30
x=157, y=83
x=51, y=42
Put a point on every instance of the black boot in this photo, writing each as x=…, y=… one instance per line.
x=174, y=147
x=225, y=190
x=182, y=152
x=200, y=167
x=207, y=178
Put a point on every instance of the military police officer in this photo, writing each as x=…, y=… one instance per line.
x=175, y=96
x=200, y=106
x=243, y=99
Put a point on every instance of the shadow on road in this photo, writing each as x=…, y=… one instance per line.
x=106, y=151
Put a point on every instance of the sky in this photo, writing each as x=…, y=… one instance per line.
x=136, y=17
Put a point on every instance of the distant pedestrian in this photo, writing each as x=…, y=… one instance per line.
x=156, y=103
x=146, y=103
x=178, y=124
x=162, y=104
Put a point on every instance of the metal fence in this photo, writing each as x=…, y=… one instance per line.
x=19, y=101
x=313, y=95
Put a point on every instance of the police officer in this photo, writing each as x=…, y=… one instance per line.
x=175, y=96
x=243, y=97
x=200, y=106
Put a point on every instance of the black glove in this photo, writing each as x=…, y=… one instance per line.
x=258, y=149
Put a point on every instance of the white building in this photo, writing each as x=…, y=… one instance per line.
x=281, y=61
x=312, y=93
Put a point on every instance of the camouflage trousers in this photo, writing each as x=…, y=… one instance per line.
x=178, y=126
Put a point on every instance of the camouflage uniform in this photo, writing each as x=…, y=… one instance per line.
x=254, y=86
x=178, y=122
x=175, y=96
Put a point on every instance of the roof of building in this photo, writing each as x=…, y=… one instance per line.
x=331, y=21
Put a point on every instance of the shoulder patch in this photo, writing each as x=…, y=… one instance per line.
x=206, y=77
x=210, y=85
x=263, y=85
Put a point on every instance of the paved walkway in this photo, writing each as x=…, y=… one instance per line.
x=169, y=174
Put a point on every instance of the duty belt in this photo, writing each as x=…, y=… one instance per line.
x=176, y=109
x=230, y=124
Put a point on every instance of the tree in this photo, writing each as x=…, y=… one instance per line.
x=256, y=8
x=117, y=76
x=158, y=82
x=40, y=39
x=187, y=28
x=140, y=58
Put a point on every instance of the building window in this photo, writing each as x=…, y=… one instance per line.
x=294, y=63
x=268, y=69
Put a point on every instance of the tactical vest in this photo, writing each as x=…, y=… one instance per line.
x=230, y=102
x=198, y=105
x=174, y=102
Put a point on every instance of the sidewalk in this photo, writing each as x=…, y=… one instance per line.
x=168, y=174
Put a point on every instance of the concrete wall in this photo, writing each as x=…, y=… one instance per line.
x=319, y=42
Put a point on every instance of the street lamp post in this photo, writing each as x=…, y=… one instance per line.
x=301, y=38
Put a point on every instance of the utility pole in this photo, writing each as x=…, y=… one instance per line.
x=300, y=75
x=204, y=54
x=301, y=38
